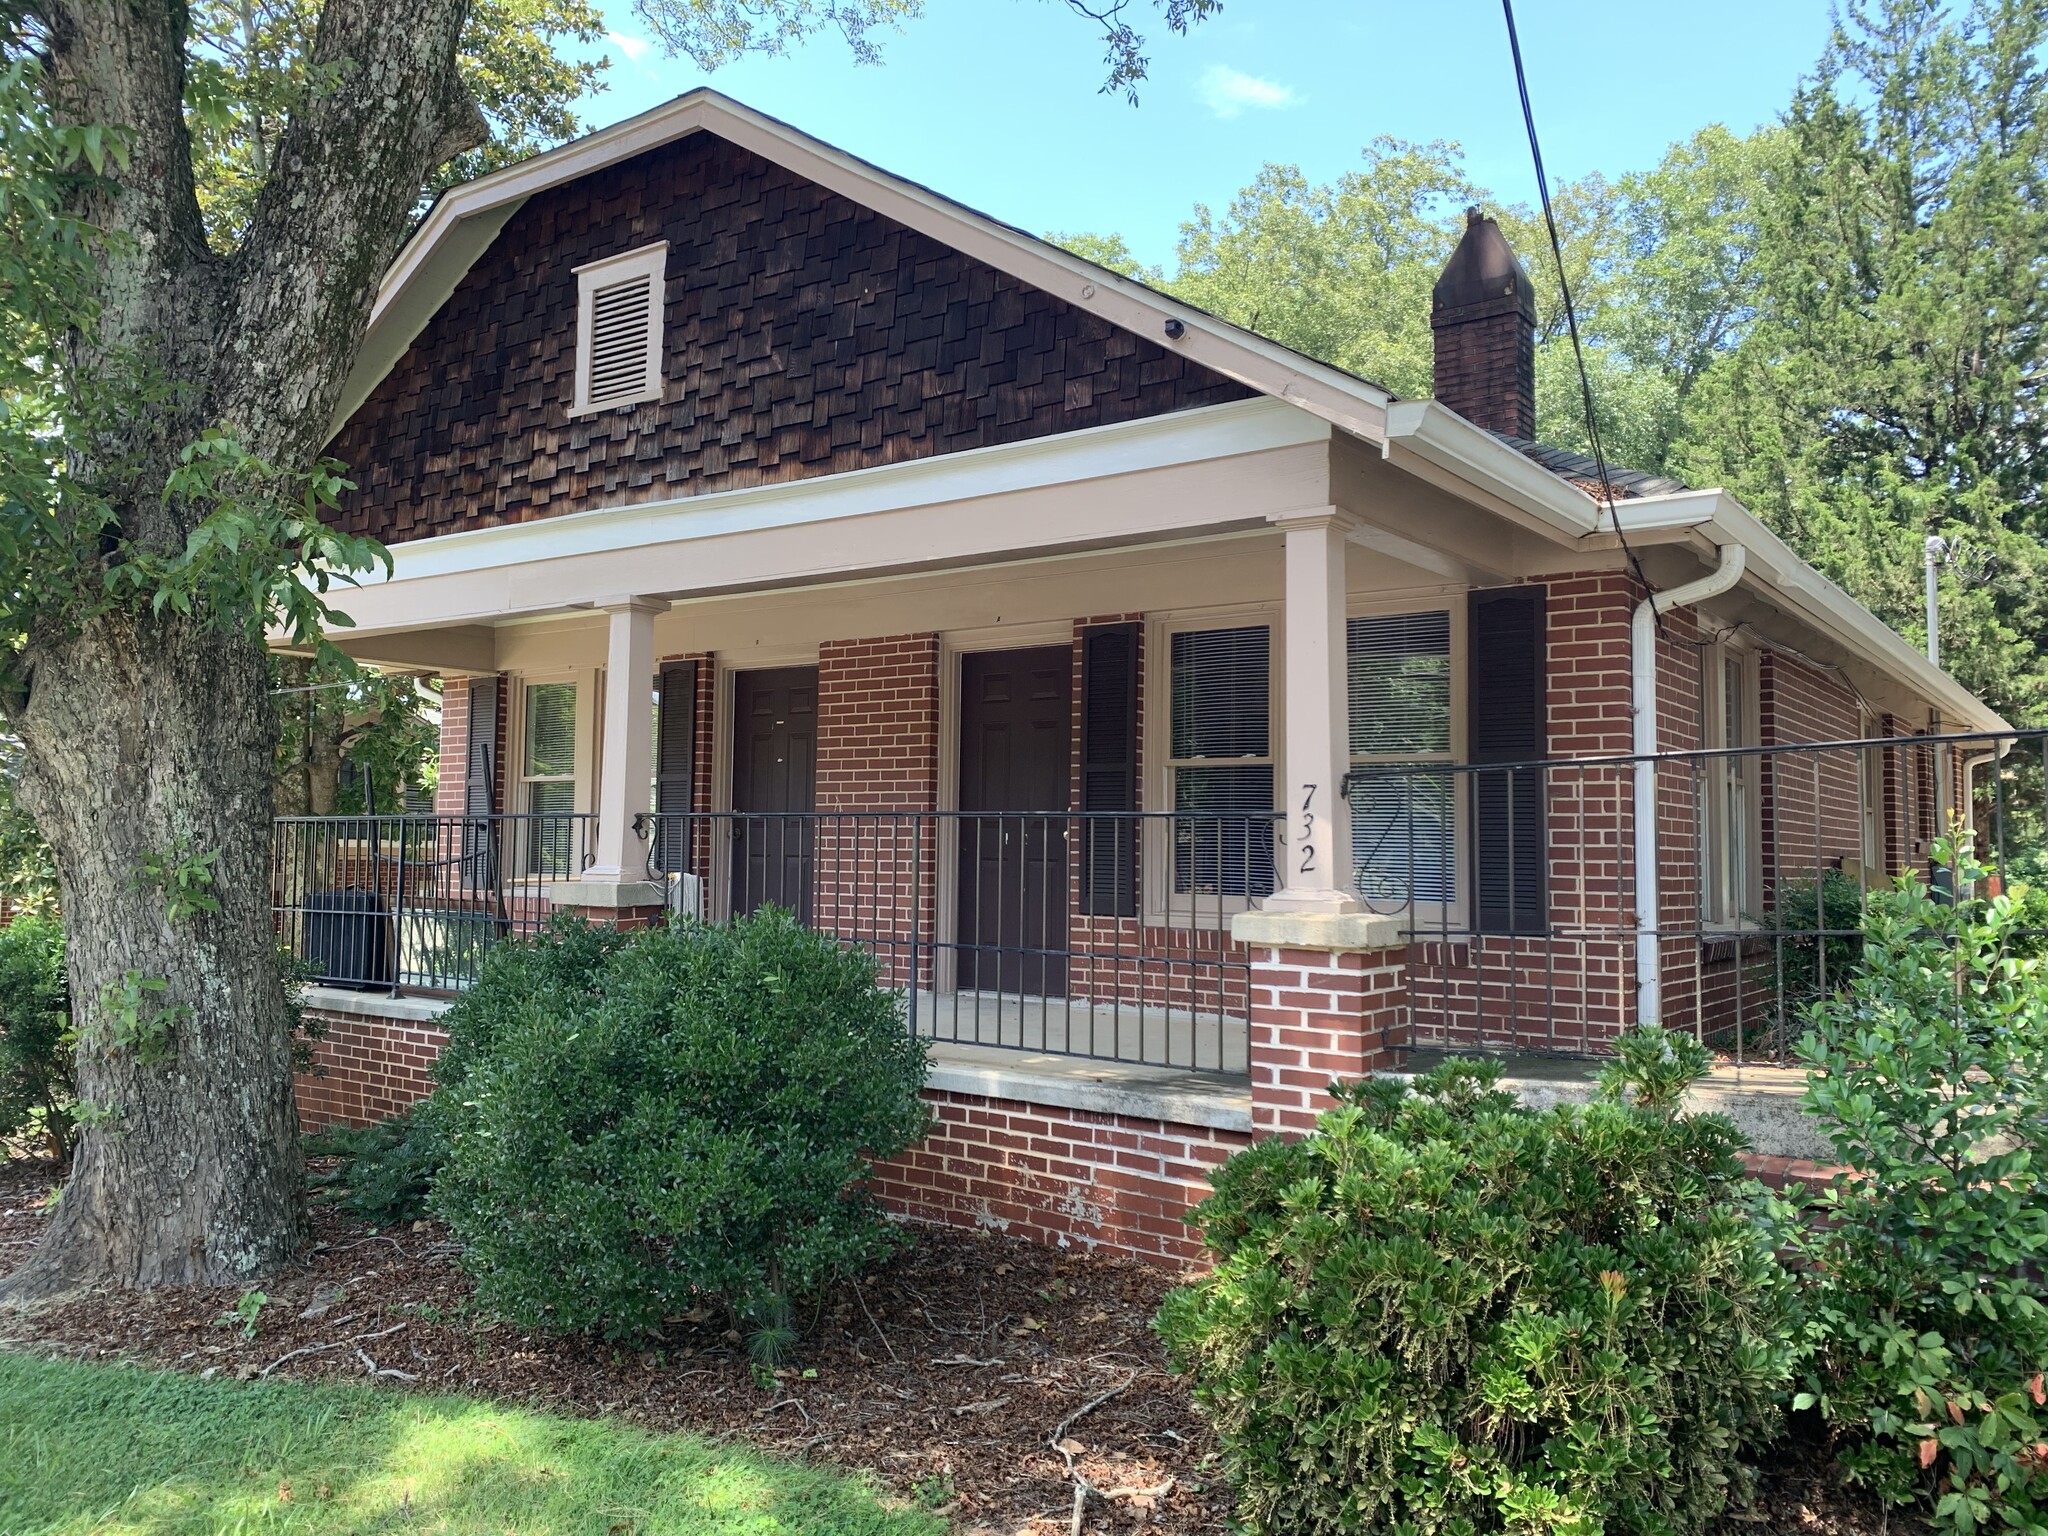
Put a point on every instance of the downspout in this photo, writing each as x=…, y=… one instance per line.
x=1643, y=661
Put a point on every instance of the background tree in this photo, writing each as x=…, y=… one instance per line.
x=248, y=71
x=1889, y=385
x=352, y=740
x=1841, y=317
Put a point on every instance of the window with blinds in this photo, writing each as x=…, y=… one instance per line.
x=1220, y=757
x=1404, y=832
x=619, y=329
x=547, y=773
x=1736, y=844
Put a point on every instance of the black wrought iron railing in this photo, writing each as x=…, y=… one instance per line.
x=1104, y=935
x=1517, y=883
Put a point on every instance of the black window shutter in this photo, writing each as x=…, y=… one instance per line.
x=1109, y=770
x=675, y=764
x=1506, y=724
x=479, y=785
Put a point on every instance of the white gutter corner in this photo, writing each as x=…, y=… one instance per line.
x=1643, y=665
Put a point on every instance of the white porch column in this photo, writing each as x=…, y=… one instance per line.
x=1316, y=752
x=625, y=784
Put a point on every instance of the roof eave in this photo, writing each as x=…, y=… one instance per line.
x=1778, y=571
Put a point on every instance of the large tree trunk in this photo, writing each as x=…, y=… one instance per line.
x=146, y=737
x=142, y=739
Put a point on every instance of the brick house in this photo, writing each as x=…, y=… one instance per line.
x=1180, y=721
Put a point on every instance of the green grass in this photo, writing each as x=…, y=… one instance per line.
x=114, y=1451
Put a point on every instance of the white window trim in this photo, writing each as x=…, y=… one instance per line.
x=651, y=260
x=588, y=735
x=1161, y=906
x=1433, y=914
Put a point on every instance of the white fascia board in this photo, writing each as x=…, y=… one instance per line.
x=1777, y=571
x=1339, y=398
x=1211, y=432
x=400, y=315
x=1440, y=436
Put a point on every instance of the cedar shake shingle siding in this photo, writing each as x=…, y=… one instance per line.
x=805, y=335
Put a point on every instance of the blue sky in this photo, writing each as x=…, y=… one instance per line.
x=994, y=102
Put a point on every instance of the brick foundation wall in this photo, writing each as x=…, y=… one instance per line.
x=366, y=1069
x=1066, y=1177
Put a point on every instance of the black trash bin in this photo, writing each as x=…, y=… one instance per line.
x=348, y=939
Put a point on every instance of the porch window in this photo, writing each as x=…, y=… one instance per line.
x=547, y=775
x=1220, y=759
x=1734, y=842
x=1404, y=818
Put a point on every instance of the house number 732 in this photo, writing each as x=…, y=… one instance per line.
x=1308, y=830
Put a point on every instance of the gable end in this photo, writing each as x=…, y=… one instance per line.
x=803, y=335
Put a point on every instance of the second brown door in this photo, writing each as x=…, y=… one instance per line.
x=1015, y=725
x=774, y=780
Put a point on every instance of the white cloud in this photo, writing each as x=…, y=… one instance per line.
x=1227, y=92
x=634, y=48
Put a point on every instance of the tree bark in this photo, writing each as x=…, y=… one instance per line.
x=144, y=736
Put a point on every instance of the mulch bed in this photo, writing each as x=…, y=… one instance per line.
x=947, y=1374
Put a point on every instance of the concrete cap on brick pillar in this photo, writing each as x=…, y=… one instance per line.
x=607, y=895
x=1337, y=932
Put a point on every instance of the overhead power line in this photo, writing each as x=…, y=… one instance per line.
x=1564, y=288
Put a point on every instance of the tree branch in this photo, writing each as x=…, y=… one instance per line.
x=384, y=108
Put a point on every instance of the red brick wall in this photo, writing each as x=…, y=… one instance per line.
x=806, y=336
x=878, y=723
x=454, y=760
x=1114, y=1182
x=1576, y=991
x=1061, y=1176
x=367, y=1069
x=1809, y=799
x=1318, y=1016
x=878, y=750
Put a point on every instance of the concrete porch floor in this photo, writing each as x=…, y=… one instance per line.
x=1100, y=1035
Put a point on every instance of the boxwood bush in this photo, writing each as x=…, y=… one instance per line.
x=1930, y=1076
x=641, y=1125
x=1443, y=1312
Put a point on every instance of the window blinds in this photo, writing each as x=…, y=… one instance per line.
x=1403, y=822
x=1221, y=683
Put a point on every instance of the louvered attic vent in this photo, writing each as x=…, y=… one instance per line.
x=619, y=330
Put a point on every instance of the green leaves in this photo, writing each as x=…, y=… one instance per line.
x=1930, y=1078
x=1445, y=1313
x=636, y=1124
x=185, y=878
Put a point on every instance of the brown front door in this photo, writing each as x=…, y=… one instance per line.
x=1015, y=709
x=774, y=781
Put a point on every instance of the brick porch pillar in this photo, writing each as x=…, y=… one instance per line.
x=1329, y=1000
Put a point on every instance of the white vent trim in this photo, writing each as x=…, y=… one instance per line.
x=619, y=331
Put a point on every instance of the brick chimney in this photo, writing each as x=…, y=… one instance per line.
x=1483, y=314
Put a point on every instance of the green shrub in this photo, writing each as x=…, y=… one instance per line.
x=1444, y=1312
x=38, y=1083
x=387, y=1170
x=642, y=1125
x=1930, y=1078
x=1821, y=923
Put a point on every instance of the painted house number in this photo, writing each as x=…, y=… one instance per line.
x=1308, y=830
